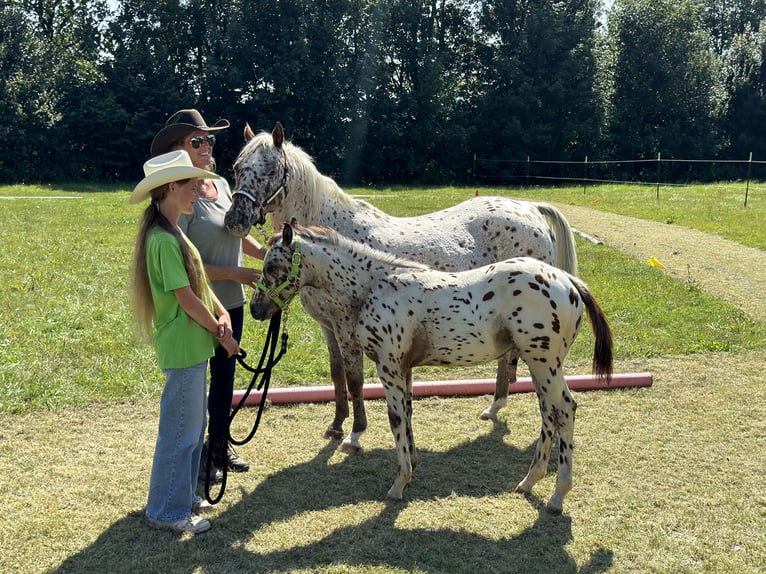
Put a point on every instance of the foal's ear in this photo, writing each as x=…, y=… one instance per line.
x=248, y=133
x=287, y=234
x=278, y=135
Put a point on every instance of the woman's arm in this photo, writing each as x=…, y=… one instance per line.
x=252, y=248
x=198, y=311
x=243, y=275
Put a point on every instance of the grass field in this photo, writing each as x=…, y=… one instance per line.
x=667, y=479
x=67, y=338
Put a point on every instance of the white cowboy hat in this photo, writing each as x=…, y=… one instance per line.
x=171, y=166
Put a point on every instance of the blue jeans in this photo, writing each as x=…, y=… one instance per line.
x=179, y=444
x=222, y=370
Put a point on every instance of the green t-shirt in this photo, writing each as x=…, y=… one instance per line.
x=178, y=340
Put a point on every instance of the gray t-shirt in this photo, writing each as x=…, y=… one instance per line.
x=217, y=246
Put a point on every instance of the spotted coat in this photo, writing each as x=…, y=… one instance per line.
x=276, y=177
x=403, y=314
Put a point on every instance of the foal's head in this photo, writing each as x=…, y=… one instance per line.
x=279, y=279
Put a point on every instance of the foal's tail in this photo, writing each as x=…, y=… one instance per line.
x=566, y=256
x=603, y=360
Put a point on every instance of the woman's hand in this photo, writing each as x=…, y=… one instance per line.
x=247, y=276
x=230, y=344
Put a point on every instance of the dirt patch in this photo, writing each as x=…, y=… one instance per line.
x=723, y=268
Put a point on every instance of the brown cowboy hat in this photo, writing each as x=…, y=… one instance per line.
x=179, y=124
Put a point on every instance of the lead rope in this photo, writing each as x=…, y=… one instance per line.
x=269, y=346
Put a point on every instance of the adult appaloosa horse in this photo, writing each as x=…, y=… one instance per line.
x=402, y=314
x=274, y=176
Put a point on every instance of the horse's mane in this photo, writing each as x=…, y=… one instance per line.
x=316, y=186
x=326, y=235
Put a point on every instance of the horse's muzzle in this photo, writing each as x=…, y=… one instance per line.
x=261, y=307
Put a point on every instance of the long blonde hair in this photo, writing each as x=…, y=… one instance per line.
x=142, y=301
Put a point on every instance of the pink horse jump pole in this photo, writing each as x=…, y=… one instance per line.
x=454, y=388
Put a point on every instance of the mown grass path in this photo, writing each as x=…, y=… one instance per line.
x=729, y=270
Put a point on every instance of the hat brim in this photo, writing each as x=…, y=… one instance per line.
x=168, y=135
x=155, y=180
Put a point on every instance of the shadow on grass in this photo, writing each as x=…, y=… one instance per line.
x=483, y=467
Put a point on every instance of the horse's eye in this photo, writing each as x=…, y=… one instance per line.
x=270, y=268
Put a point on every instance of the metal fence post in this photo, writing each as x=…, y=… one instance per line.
x=658, y=175
x=747, y=185
x=585, y=179
x=527, y=171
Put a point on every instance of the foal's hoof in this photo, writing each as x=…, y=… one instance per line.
x=333, y=434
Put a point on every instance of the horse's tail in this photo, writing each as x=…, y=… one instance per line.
x=603, y=359
x=566, y=255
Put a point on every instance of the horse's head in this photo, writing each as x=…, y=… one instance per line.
x=260, y=176
x=279, y=278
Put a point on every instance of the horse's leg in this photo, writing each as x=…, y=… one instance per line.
x=506, y=375
x=354, y=365
x=338, y=376
x=557, y=408
x=539, y=464
x=566, y=411
x=399, y=402
x=414, y=458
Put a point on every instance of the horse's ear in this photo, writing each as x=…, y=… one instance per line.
x=278, y=135
x=249, y=134
x=287, y=234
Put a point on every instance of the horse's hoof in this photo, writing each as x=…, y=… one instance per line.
x=488, y=416
x=349, y=448
x=393, y=495
x=333, y=434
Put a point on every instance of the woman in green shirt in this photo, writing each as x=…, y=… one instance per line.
x=175, y=307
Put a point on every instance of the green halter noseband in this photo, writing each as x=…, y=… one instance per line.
x=273, y=294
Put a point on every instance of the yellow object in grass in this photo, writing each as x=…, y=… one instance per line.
x=655, y=263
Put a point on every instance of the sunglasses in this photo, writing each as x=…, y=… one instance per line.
x=197, y=141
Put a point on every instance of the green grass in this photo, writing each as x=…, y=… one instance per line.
x=666, y=479
x=65, y=304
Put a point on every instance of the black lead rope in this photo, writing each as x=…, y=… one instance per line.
x=269, y=348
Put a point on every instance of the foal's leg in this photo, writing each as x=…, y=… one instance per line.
x=506, y=375
x=399, y=401
x=566, y=416
x=557, y=408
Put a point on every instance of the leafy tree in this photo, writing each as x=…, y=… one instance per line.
x=538, y=66
x=745, y=84
x=664, y=77
x=51, y=52
x=727, y=20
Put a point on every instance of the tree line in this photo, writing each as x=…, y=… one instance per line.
x=394, y=91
